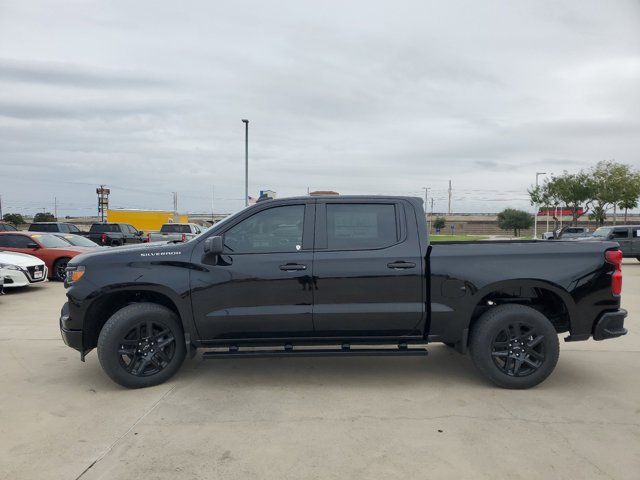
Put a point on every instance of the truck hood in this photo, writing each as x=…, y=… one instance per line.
x=19, y=259
x=140, y=250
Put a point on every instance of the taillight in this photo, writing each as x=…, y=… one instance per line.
x=615, y=257
x=103, y=238
x=148, y=237
x=184, y=237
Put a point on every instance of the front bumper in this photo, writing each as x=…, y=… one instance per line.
x=610, y=325
x=72, y=338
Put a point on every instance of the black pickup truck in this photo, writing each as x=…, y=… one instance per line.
x=114, y=234
x=317, y=276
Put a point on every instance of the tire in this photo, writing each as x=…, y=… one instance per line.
x=514, y=346
x=130, y=356
x=59, y=269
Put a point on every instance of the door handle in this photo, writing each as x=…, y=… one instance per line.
x=291, y=267
x=401, y=265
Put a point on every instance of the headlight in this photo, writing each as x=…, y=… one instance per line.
x=8, y=266
x=74, y=273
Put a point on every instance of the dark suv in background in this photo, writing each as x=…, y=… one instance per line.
x=54, y=227
x=627, y=236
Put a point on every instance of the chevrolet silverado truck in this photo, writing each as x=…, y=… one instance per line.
x=339, y=276
x=113, y=234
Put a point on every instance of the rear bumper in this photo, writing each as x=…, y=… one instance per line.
x=610, y=325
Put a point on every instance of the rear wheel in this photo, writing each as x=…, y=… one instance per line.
x=60, y=269
x=514, y=346
x=141, y=345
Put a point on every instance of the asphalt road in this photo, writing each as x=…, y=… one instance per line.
x=288, y=418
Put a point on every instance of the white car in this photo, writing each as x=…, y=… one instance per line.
x=20, y=270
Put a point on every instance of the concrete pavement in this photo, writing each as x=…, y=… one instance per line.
x=321, y=418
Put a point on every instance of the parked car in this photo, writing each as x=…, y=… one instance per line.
x=77, y=240
x=7, y=227
x=20, y=270
x=175, y=232
x=627, y=236
x=567, y=233
x=54, y=227
x=54, y=251
x=291, y=274
x=114, y=234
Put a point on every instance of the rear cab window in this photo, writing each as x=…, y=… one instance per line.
x=104, y=228
x=175, y=228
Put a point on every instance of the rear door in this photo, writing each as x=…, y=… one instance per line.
x=367, y=269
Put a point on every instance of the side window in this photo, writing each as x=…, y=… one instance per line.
x=620, y=233
x=361, y=226
x=73, y=229
x=15, y=241
x=277, y=229
x=636, y=232
x=64, y=228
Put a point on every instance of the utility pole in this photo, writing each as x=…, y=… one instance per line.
x=426, y=196
x=213, y=194
x=175, y=202
x=449, y=209
x=1, y=217
x=535, y=218
x=246, y=161
x=55, y=207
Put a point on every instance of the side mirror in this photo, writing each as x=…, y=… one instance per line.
x=610, y=236
x=140, y=233
x=213, y=245
x=33, y=245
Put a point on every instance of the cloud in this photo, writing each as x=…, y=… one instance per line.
x=359, y=97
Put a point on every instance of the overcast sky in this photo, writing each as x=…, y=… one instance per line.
x=358, y=97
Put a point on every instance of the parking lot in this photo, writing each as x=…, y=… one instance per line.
x=431, y=417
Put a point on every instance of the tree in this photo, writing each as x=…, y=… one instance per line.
x=14, y=218
x=44, y=217
x=512, y=219
x=571, y=189
x=439, y=223
x=630, y=193
x=607, y=182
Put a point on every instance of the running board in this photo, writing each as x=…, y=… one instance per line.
x=289, y=351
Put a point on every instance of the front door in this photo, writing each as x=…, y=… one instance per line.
x=367, y=270
x=260, y=287
x=621, y=235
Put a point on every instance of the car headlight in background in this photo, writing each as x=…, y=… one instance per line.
x=8, y=266
x=74, y=273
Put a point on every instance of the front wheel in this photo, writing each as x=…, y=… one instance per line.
x=141, y=345
x=60, y=269
x=514, y=346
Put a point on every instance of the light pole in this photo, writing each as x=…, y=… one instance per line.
x=426, y=196
x=246, y=161
x=535, y=218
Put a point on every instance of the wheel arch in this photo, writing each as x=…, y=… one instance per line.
x=548, y=298
x=107, y=303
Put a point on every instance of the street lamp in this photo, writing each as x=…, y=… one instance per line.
x=426, y=195
x=246, y=161
x=535, y=218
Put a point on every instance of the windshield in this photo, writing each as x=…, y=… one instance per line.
x=78, y=241
x=49, y=241
x=602, y=232
x=175, y=228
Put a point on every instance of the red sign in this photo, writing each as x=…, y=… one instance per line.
x=558, y=212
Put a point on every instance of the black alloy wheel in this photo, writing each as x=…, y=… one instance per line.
x=147, y=348
x=60, y=269
x=518, y=350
